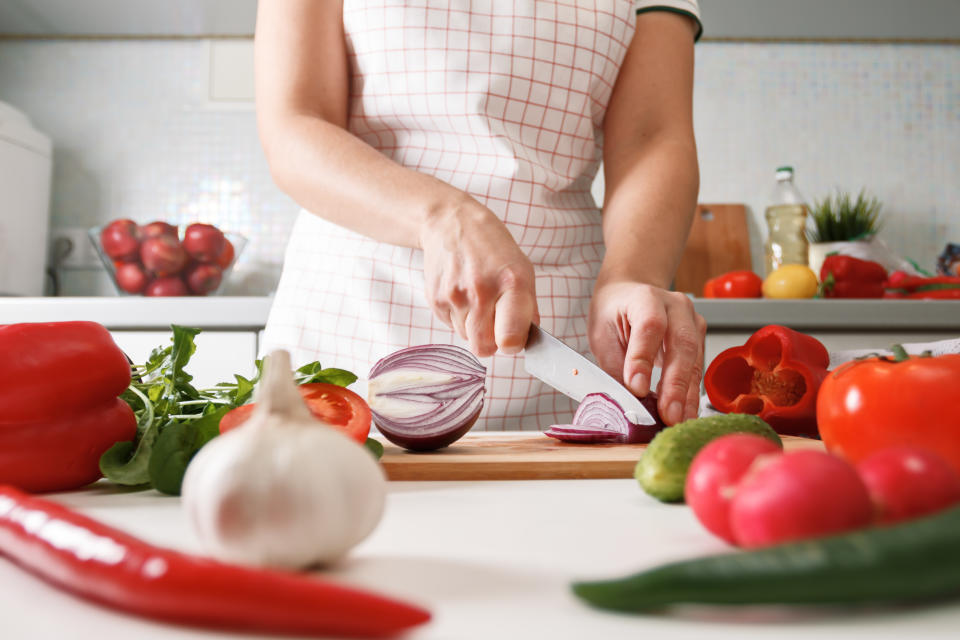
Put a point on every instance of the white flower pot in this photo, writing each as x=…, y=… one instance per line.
x=817, y=252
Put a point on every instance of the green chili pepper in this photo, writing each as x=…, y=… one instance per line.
x=911, y=561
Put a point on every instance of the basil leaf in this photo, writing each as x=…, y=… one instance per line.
x=375, y=447
x=176, y=446
x=313, y=372
x=126, y=464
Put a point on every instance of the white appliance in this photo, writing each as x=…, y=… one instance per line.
x=25, y=171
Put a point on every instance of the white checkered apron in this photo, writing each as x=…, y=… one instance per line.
x=503, y=99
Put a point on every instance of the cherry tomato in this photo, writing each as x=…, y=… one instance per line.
x=338, y=406
x=158, y=228
x=163, y=255
x=226, y=256
x=166, y=286
x=735, y=284
x=203, y=278
x=121, y=239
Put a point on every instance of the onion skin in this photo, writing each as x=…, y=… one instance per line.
x=590, y=424
x=430, y=443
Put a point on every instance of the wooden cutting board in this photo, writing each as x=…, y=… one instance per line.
x=523, y=456
x=719, y=242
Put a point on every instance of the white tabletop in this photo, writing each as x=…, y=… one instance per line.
x=489, y=559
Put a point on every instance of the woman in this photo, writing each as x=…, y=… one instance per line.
x=443, y=154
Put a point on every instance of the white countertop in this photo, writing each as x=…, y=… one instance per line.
x=250, y=313
x=489, y=559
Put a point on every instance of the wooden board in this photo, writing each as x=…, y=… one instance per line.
x=719, y=242
x=523, y=456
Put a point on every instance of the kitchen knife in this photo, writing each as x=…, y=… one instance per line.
x=549, y=359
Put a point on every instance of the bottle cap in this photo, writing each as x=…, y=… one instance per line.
x=784, y=173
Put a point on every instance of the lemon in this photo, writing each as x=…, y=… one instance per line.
x=791, y=281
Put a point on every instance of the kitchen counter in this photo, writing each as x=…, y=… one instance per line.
x=727, y=315
x=489, y=559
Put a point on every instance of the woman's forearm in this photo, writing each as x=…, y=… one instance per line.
x=650, y=198
x=334, y=174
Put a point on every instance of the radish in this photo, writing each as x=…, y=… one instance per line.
x=906, y=482
x=799, y=495
x=715, y=473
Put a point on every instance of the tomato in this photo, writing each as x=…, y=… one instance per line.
x=167, y=286
x=735, y=284
x=121, y=239
x=203, y=278
x=868, y=405
x=158, y=228
x=225, y=259
x=338, y=406
x=130, y=277
x=791, y=281
x=204, y=242
x=163, y=255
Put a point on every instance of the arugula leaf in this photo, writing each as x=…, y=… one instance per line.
x=375, y=447
x=125, y=463
x=314, y=372
x=176, y=446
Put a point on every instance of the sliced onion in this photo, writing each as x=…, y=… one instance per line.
x=600, y=418
x=426, y=397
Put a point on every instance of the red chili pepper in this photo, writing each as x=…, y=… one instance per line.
x=908, y=283
x=935, y=294
x=97, y=562
x=59, y=411
x=775, y=375
x=849, y=277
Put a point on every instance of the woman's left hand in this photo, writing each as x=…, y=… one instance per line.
x=635, y=326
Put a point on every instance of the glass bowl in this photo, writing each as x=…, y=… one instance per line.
x=131, y=278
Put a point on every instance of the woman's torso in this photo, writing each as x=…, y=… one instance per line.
x=503, y=99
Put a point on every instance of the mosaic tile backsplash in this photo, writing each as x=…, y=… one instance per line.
x=136, y=136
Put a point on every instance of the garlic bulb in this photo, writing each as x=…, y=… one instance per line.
x=283, y=490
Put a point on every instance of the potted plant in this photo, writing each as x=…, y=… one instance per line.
x=839, y=221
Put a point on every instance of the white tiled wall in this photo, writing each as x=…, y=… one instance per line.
x=137, y=136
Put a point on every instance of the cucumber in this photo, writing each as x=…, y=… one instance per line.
x=662, y=469
x=916, y=560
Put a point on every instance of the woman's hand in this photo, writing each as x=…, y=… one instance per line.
x=478, y=280
x=634, y=326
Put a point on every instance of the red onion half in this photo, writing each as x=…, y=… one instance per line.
x=600, y=418
x=426, y=397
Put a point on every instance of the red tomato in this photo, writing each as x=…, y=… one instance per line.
x=168, y=286
x=120, y=239
x=130, y=277
x=868, y=405
x=337, y=406
x=163, y=255
x=225, y=259
x=203, y=278
x=735, y=284
x=204, y=242
x=157, y=228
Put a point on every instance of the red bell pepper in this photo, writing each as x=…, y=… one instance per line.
x=849, y=277
x=94, y=561
x=775, y=375
x=59, y=405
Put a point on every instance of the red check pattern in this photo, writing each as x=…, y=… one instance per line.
x=503, y=99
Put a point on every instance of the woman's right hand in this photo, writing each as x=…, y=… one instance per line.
x=478, y=281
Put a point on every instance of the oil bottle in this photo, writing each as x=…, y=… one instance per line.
x=786, y=223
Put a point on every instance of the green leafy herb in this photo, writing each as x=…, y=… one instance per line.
x=177, y=445
x=375, y=447
x=313, y=372
x=175, y=419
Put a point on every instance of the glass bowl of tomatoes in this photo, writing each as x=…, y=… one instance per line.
x=161, y=259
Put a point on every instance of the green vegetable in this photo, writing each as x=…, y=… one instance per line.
x=842, y=219
x=662, y=470
x=911, y=561
x=375, y=447
x=175, y=419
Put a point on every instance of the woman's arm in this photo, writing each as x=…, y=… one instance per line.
x=478, y=280
x=651, y=183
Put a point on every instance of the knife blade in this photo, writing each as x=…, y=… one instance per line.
x=550, y=360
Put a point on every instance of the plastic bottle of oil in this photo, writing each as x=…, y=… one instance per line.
x=786, y=223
